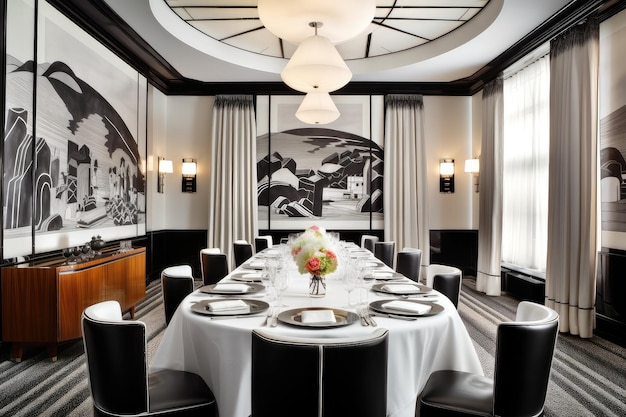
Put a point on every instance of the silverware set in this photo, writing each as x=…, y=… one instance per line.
x=272, y=317
x=366, y=316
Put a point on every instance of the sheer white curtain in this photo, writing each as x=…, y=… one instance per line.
x=525, y=169
x=233, y=194
x=572, y=204
x=490, y=199
x=405, y=193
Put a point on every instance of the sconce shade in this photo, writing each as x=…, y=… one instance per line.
x=316, y=66
x=343, y=19
x=446, y=176
x=446, y=168
x=189, y=166
x=317, y=108
x=165, y=166
x=472, y=166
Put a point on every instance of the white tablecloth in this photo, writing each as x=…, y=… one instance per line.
x=220, y=350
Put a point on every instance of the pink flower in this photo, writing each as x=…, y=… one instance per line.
x=313, y=265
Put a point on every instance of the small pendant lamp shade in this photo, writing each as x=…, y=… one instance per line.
x=317, y=108
x=316, y=66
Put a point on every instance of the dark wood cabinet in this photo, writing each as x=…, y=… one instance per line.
x=42, y=302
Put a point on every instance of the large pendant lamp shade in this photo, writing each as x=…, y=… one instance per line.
x=316, y=66
x=317, y=109
x=343, y=19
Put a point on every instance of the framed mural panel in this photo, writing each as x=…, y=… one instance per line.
x=612, y=115
x=86, y=173
x=330, y=175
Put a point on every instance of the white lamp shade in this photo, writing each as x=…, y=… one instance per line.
x=317, y=108
x=472, y=165
x=166, y=166
x=316, y=66
x=189, y=167
x=446, y=168
x=342, y=19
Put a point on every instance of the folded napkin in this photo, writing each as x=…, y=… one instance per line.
x=371, y=263
x=238, y=306
x=382, y=274
x=317, y=316
x=257, y=264
x=231, y=288
x=407, y=307
x=252, y=276
x=271, y=252
x=401, y=288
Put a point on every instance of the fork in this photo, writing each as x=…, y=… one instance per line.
x=360, y=311
x=368, y=317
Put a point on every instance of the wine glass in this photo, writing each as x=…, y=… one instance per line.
x=350, y=280
x=280, y=282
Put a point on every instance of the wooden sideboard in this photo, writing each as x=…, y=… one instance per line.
x=42, y=302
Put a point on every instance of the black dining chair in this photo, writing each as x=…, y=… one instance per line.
x=176, y=284
x=263, y=242
x=242, y=251
x=214, y=265
x=523, y=362
x=319, y=377
x=385, y=252
x=445, y=279
x=118, y=375
x=408, y=263
x=367, y=242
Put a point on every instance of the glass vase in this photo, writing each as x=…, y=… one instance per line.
x=317, y=286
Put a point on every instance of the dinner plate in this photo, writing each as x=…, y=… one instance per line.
x=294, y=318
x=256, y=306
x=252, y=288
x=241, y=276
x=419, y=289
x=378, y=306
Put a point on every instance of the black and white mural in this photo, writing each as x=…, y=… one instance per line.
x=330, y=175
x=74, y=145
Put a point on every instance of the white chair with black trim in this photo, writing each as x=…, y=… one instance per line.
x=118, y=376
x=445, y=279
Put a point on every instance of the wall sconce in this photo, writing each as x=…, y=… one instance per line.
x=164, y=167
x=473, y=166
x=446, y=175
x=189, y=175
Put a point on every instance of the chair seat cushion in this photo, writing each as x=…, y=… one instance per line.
x=170, y=389
x=456, y=393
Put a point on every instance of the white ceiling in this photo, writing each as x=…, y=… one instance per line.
x=452, y=56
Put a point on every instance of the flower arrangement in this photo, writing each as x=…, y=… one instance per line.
x=311, y=252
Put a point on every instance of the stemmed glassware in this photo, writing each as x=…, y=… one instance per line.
x=280, y=282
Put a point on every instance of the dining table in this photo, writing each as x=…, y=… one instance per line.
x=217, y=345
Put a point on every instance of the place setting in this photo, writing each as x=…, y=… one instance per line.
x=249, y=277
x=405, y=309
x=227, y=288
x=317, y=317
x=230, y=308
x=384, y=276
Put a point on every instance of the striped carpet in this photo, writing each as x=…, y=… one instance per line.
x=587, y=379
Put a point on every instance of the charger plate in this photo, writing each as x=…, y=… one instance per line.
x=256, y=306
x=294, y=318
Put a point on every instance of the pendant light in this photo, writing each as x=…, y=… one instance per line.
x=317, y=108
x=316, y=66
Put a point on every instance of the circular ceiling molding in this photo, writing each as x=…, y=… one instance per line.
x=401, y=33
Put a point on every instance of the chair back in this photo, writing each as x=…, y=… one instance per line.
x=263, y=242
x=115, y=351
x=385, y=251
x=319, y=377
x=367, y=242
x=176, y=284
x=524, y=353
x=434, y=269
x=214, y=266
x=449, y=285
x=408, y=263
x=242, y=251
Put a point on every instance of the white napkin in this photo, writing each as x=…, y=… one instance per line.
x=257, y=264
x=371, y=263
x=400, y=288
x=317, y=316
x=407, y=307
x=238, y=306
x=231, y=288
x=382, y=274
x=252, y=276
x=271, y=252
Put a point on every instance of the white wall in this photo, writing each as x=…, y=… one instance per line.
x=180, y=127
x=449, y=133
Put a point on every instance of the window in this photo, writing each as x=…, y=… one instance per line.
x=525, y=166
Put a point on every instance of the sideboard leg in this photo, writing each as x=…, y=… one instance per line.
x=132, y=312
x=52, y=351
x=17, y=351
